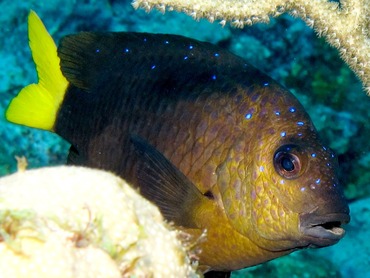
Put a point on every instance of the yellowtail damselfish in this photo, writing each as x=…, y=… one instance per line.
x=215, y=143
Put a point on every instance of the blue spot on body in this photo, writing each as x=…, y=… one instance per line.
x=292, y=109
x=216, y=54
x=277, y=113
x=166, y=42
x=154, y=66
x=186, y=57
x=97, y=51
x=191, y=47
x=324, y=148
x=127, y=50
x=283, y=134
x=248, y=116
x=144, y=39
x=303, y=189
x=214, y=77
x=332, y=155
x=299, y=134
x=313, y=154
x=318, y=181
x=262, y=168
x=266, y=84
x=328, y=164
x=300, y=123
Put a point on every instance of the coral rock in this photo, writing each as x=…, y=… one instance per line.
x=78, y=222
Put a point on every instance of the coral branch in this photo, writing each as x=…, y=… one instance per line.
x=346, y=26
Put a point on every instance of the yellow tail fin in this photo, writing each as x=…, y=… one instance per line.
x=37, y=104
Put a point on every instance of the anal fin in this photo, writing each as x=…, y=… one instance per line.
x=74, y=157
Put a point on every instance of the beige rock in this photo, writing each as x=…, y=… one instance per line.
x=78, y=222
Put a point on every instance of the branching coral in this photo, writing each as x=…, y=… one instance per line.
x=345, y=25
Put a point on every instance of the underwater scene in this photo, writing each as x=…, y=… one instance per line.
x=285, y=49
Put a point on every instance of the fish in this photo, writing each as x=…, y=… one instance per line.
x=215, y=143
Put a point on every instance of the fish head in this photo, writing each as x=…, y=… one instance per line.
x=305, y=180
x=280, y=188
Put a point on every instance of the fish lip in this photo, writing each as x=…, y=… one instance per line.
x=323, y=230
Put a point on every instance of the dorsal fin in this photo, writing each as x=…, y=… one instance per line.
x=163, y=184
x=75, y=52
x=90, y=59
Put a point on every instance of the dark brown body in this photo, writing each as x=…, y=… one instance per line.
x=178, y=107
x=216, y=119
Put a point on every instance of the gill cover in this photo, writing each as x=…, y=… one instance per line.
x=37, y=104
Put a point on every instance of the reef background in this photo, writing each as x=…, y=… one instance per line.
x=285, y=49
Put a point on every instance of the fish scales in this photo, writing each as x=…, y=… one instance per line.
x=160, y=108
x=215, y=143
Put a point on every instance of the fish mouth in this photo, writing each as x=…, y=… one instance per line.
x=323, y=230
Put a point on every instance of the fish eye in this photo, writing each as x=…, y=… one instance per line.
x=287, y=164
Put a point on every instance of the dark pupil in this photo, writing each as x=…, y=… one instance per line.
x=287, y=164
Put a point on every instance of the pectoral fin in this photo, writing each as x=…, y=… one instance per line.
x=165, y=185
